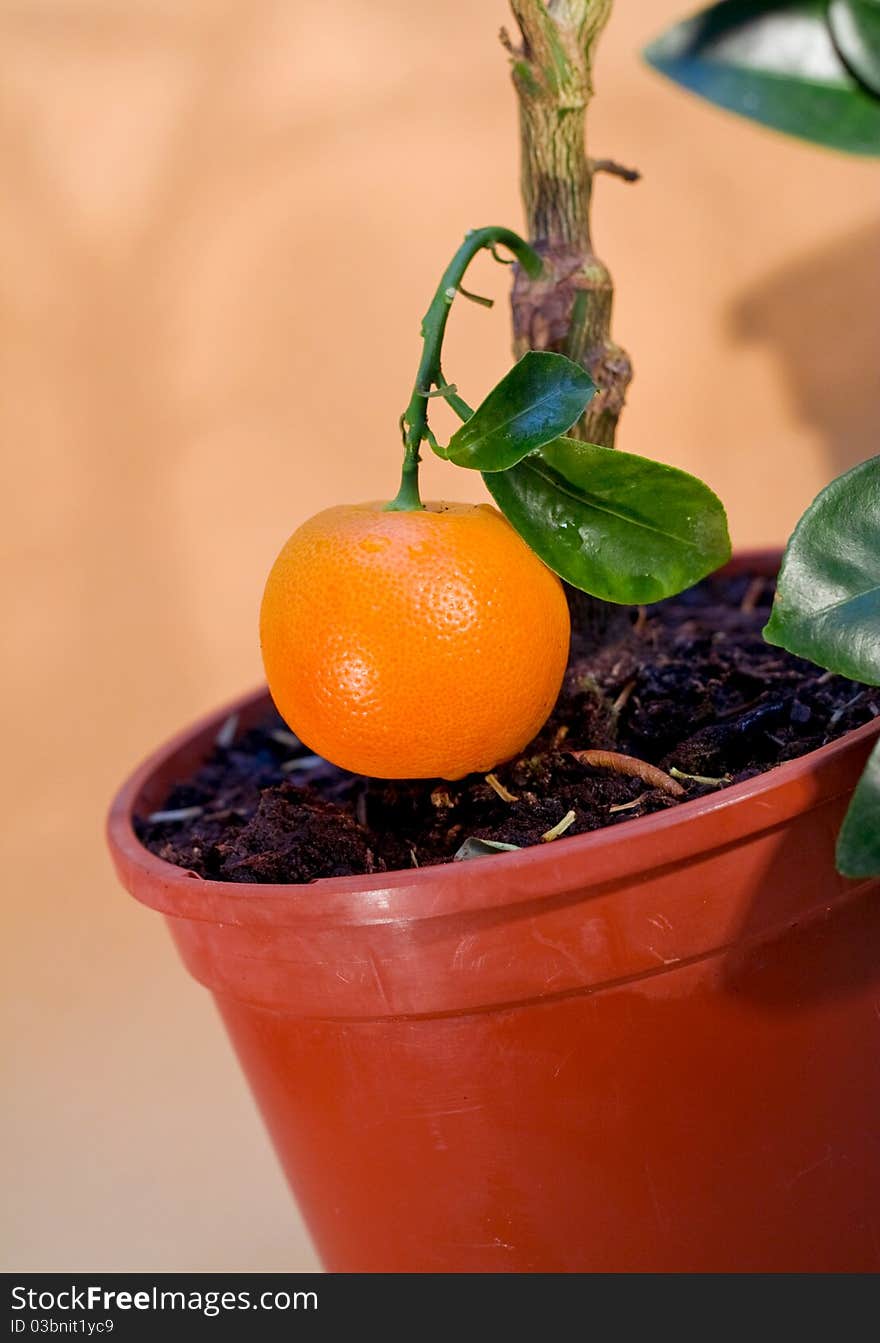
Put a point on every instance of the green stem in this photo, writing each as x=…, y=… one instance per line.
x=414, y=421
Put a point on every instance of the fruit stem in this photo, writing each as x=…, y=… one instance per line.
x=414, y=420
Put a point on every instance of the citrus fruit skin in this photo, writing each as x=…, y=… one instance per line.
x=418, y=644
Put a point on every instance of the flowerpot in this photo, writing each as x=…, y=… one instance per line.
x=649, y=1048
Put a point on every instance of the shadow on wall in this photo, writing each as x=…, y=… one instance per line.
x=821, y=317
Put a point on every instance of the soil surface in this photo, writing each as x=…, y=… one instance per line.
x=688, y=686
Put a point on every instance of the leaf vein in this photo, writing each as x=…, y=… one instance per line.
x=495, y=428
x=582, y=498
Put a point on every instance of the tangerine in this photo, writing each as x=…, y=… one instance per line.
x=418, y=644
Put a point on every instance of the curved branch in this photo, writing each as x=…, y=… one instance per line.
x=414, y=420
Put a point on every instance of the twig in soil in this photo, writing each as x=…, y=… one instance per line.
x=559, y=736
x=640, y=621
x=560, y=828
x=498, y=787
x=285, y=738
x=226, y=736
x=630, y=765
x=752, y=596
x=838, y=713
x=702, y=778
x=302, y=764
x=623, y=698
x=626, y=806
x=180, y=814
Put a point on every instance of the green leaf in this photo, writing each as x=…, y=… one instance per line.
x=620, y=527
x=773, y=61
x=540, y=398
x=855, y=27
x=827, y=605
x=481, y=848
x=858, y=844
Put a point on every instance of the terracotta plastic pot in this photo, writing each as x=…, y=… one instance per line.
x=654, y=1047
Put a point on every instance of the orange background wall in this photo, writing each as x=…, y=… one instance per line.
x=220, y=223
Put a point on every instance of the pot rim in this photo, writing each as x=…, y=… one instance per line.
x=683, y=833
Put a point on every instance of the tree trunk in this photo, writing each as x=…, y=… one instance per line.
x=569, y=308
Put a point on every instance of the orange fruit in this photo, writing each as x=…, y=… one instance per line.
x=413, y=644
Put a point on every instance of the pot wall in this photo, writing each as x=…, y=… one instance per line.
x=717, y=1116
x=649, y=1048
x=675, y=1073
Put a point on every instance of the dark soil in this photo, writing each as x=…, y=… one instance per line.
x=690, y=685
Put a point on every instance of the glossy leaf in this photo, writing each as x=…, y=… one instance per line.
x=540, y=398
x=620, y=527
x=855, y=27
x=775, y=62
x=858, y=844
x=827, y=605
x=481, y=848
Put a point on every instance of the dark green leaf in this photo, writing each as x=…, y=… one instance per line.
x=540, y=398
x=775, y=62
x=615, y=525
x=481, y=848
x=827, y=604
x=858, y=844
x=855, y=27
